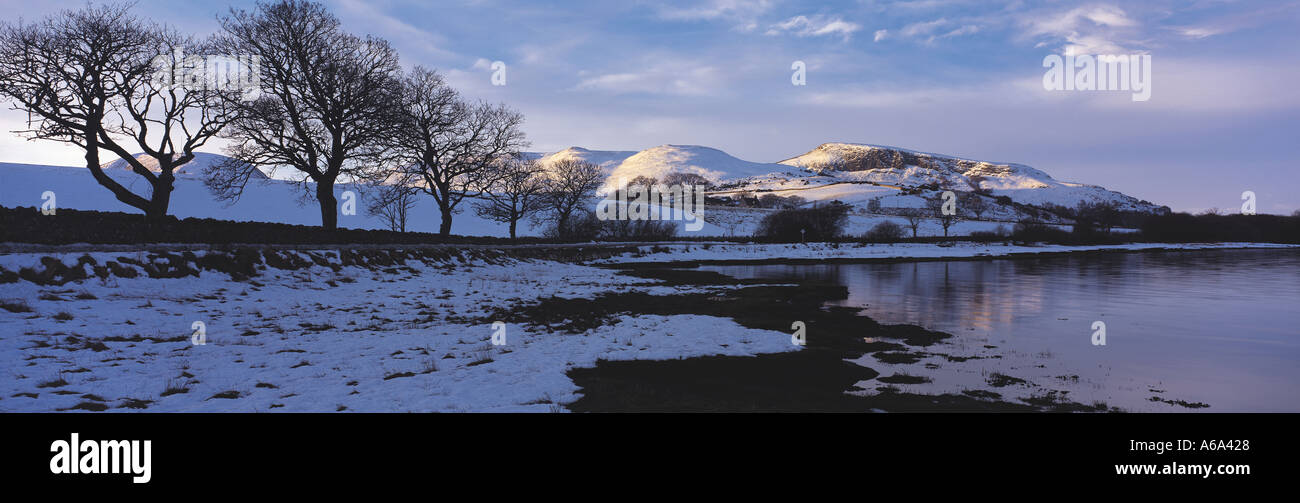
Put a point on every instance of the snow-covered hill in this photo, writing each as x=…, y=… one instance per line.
x=856, y=174
x=908, y=168
x=711, y=163
x=201, y=161
x=606, y=159
x=264, y=200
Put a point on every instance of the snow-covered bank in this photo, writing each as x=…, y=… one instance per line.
x=406, y=337
x=861, y=251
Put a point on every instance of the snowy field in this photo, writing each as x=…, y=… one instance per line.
x=313, y=339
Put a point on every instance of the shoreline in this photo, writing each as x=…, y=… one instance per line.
x=936, y=251
x=831, y=253
x=608, y=331
x=825, y=375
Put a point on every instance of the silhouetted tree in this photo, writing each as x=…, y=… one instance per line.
x=518, y=190
x=914, y=218
x=327, y=101
x=885, y=232
x=452, y=145
x=89, y=78
x=393, y=202
x=818, y=223
x=974, y=203
x=572, y=183
x=946, y=220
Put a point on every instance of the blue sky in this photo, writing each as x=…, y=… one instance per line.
x=960, y=77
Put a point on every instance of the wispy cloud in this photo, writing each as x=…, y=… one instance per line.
x=923, y=28
x=662, y=76
x=743, y=14
x=394, y=28
x=930, y=31
x=1229, y=23
x=815, y=26
x=1093, y=29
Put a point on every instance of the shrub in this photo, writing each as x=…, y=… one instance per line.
x=585, y=226
x=885, y=232
x=637, y=230
x=1039, y=232
x=818, y=223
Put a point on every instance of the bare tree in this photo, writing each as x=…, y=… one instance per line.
x=166, y=119
x=327, y=100
x=393, y=202
x=518, y=190
x=87, y=77
x=695, y=180
x=452, y=145
x=642, y=181
x=946, y=220
x=975, y=204
x=914, y=218
x=573, y=183
x=1102, y=214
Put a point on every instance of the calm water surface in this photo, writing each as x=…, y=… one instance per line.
x=1215, y=327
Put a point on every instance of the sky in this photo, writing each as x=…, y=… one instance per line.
x=958, y=77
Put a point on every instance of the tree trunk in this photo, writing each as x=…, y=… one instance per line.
x=562, y=224
x=444, y=229
x=512, y=228
x=329, y=214
x=156, y=210
x=161, y=198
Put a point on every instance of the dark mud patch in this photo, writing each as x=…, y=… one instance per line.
x=818, y=377
x=904, y=379
x=898, y=357
x=1180, y=403
x=997, y=380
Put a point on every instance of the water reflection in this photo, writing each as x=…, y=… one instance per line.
x=1219, y=327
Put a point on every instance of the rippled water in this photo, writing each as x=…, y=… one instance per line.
x=1216, y=327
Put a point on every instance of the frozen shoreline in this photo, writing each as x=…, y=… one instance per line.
x=415, y=337
x=401, y=337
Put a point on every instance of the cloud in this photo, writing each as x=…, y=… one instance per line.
x=664, y=77
x=816, y=26
x=1093, y=29
x=535, y=53
x=1199, y=31
x=1199, y=85
x=393, y=28
x=880, y=35
x=923, y=28
x=934, y=30
x=743, y=13
x=1229, y=23
x=969, y=29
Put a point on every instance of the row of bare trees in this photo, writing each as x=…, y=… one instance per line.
x=332, y=108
